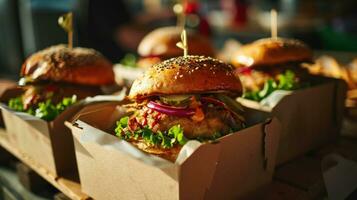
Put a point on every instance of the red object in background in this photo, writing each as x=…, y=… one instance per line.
x=240, y=17
x=204, y=27
x=237, y=9
x=244, y=70
x=192, y=8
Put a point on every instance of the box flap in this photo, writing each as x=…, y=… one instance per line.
x=198, y=170
x=247, y=159
x=310, y=117
x=101, y=109
x=272, y=130
x=241, y=160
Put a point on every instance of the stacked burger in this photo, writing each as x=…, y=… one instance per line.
x=270, y=64
x=182, y=98
x=56, y=77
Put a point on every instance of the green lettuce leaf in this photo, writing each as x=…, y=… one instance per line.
x=121, y=124
x=129, y=60
x=44, y=110
x=65, y=103
x=285, y=81
x=175, y=135
x=16, y=104
x=269, y=87
x=252, y=95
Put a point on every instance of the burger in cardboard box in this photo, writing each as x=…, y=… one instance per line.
x=275, y=83
x=53, y=81
x=183, y=137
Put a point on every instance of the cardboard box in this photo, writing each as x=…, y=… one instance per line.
x=49, y=144
x=235, y=166
x=310, y=117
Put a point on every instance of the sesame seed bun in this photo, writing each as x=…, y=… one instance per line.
x=62, y=64
x=186, y=75
x=162, y=43
x=268, y=51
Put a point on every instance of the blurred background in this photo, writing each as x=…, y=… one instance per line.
x=115, y=27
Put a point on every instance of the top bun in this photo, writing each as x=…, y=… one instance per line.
x=186, y=75
x=162, y=43
x=62, y=64
x=268, y=51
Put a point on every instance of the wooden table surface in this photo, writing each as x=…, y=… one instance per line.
x=70, y=188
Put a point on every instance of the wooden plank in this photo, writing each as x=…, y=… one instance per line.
x=60, y=196
x=70, y=188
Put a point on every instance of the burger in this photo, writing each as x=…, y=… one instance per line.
x=181, y=99
x=56, y=77
x=160, y=45
x=270, y=64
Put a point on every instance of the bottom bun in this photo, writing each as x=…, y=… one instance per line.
x=168, y=154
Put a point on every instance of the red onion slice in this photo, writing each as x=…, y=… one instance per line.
x=174, y=111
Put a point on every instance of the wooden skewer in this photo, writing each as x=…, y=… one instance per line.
x=66, y=22
x=70, y=39
x=274, y=23
x=183, y=43
x=184, y=40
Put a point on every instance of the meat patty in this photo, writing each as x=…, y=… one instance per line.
x=216, y=120
x=56, y=92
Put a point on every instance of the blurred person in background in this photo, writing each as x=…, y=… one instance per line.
x=109, y=27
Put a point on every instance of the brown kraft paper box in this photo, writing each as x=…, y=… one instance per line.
x=233, y=167
x=49, y=144
x=310, y=117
